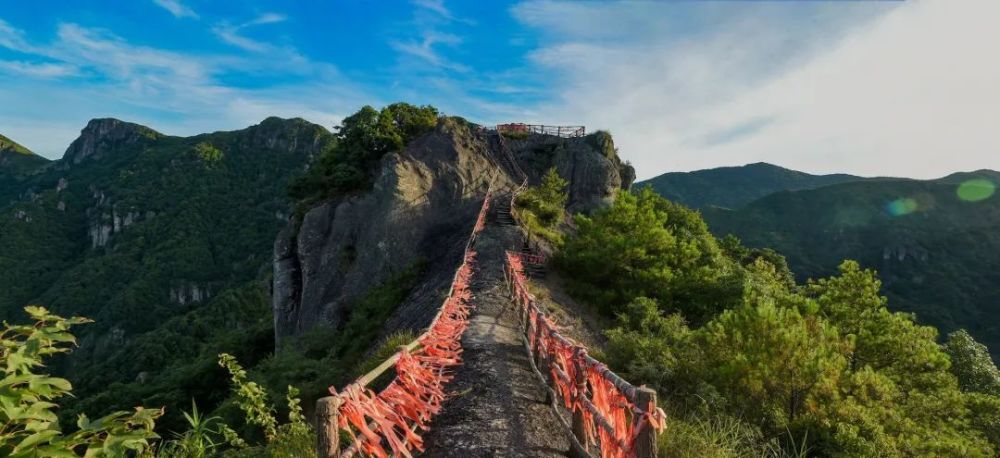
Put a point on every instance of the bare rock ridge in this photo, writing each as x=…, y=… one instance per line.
x=105, y=136
x=420, y=210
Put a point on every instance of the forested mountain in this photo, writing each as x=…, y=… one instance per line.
x=164, y=241
x=733, y=187
x=934, y=243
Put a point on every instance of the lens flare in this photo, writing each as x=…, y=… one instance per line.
x=975, y=190
x=901, y=206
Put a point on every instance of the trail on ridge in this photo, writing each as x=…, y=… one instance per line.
x=498, y=405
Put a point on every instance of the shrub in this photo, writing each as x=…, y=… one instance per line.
x=289, y=440
x=29, y=426
x=542, y=207
x=207, y=153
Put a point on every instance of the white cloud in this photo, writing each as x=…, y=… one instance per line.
x=13, y=38
x=39, y=70
x=178, y=9
x=231, y=34
x=426, y=52
x=872, y=88
x=915, y=94
x=267, y=18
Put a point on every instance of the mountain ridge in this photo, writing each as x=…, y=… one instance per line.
x=733, y=187
x=932, y=241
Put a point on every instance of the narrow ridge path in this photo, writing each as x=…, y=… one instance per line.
x=498, y=405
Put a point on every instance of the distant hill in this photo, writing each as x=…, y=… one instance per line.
x=935, y=243
x=733, y=187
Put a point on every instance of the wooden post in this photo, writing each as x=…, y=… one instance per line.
x=327, y=433
x=645, y=443
x=579, y=427
x=539, y=356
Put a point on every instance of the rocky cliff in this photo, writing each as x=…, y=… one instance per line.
x=420, y=210
x=107, y=136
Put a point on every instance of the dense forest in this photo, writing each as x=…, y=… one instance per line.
x=752, y=363
x=933, y=242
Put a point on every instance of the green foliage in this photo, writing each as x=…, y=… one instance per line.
x=647, y=344
x=29, y=426
x=323, y=356
x=827, y=361
x=646, y=246
x=207, y=153
x=936, y=252
x=289, y=440
x=602, y=141
x=202, y=437
x=542, y=207
x=984, y=410
x=722, y=437
x=971, y=363
x=362, y=139
x=189, y=225
x=250, y=398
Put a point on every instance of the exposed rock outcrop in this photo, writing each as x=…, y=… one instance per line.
x=102, y=137
x=421, y=209
x=590, y=164
x=189, y=293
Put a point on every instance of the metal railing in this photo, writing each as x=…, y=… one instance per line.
x=559, y=131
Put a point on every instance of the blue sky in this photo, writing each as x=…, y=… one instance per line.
x=876, y=88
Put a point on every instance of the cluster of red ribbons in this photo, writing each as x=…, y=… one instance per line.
x=390, y=419
x=607, y=403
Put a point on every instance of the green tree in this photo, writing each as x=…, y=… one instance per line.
x=362, y=139
x=644, y=245
x=984, y=410
x=542, y=207
x=647, y=344
x=971, y=363
x=773, y=362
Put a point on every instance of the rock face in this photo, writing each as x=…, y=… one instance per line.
x=590, y=164
x=421, y=209
x=104, y=136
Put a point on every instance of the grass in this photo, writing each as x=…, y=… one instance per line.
x=721, y=437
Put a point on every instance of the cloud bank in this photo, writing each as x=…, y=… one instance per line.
x=871, y=88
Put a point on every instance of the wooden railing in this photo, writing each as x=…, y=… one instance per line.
x=618, y=418
x=559, y=131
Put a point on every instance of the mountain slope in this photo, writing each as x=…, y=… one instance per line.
x=163, y=241
x=733, y=187
x=16, y=161
x=934, y=243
